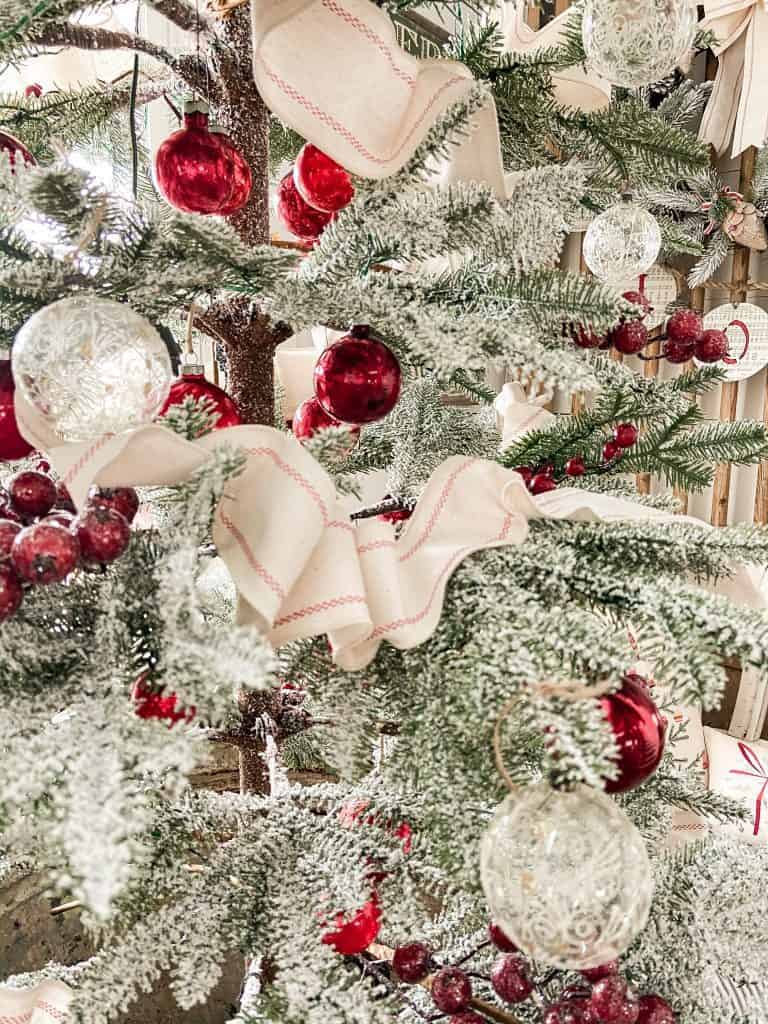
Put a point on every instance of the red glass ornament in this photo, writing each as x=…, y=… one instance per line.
x=711, y=346
x=610, y=450
x=575, y=466
x=625, y=435
x=241, y=172
x=301, y=219
x=11, y=594
x=192, y=384
x=352, y=936
x=629, y=337
x=639, y=731
x=122, y=499
x=311, y=416
x=500, y=940
x=541, y=483
x=607, y=999
x=511, y=977
x=45, y=553
x=194, y=168
x=320, y=181
x=685, y=326
x=412, y=962
x=8, y=532
x=451, y=990
x=357, y=379
x=103, y=534
x=32, y=494
x=655, y=1010
x=15, y=148
x=12, y=445
x=678, y=351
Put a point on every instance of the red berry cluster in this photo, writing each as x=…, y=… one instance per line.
x=687, y=338
x=603, y=998
x=152, y=703
x=627, y=337
x=41, y=540
x=312, y=192
x=543, y=478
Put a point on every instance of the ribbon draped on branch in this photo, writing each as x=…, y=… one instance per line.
x=738, y=106
x=46, y=1003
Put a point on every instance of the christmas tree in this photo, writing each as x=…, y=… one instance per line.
x=496, y=667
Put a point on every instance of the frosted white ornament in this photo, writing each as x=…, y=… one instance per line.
x=91, y=366
x=637, y=42
x=622, y=242
x=566, y=875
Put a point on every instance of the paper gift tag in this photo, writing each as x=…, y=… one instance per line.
x=746, y=327
x=739, y=769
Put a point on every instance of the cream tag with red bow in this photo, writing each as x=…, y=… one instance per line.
x=746, y=327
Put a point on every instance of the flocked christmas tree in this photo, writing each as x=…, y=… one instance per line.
x=126, y=650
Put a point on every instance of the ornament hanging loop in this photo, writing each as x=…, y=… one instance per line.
x=570, y=690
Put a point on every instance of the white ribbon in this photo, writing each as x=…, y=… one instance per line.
x=738, y=106
x=46, y=1003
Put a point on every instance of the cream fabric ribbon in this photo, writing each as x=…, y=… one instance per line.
x=738, y=106
x=46, y=1003
x=334, y=72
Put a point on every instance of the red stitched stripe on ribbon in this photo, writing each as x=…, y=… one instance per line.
x=73, y=471
x=322, y=606
x=438, y=509
x=254, y=563
x=371, y=36
x=295, y=475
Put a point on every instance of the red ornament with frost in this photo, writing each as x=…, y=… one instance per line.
x=311, y=417
x=194, y=169
x=192, y=384
x=301, y=219
x=150, y=703
x=44, y=553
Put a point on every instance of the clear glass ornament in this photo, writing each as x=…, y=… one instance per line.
x=566, y=875
x=632, y=43
x=91, y=366
x=622, y=242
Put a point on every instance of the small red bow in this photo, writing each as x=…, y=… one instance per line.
x=758, y=772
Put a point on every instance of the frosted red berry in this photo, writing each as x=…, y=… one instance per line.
x=500, y=939
x=541, y=483
x=630, y=337
x=467, y=1017
x=11, y=594
x=569, y=1011
x=655, y=1010
x=625, y=435
x=711, y=346
x=451, y=990
x=411, y=962
x=603, y=971
x=638, y=299
x=684, y=325
x=124, y=500
x=45, y=553
x=610, y=450
x=64, y=519
x=678, y=351
x=607, y=999
x=32, y=494
x=575, y=466
x=511, y=977
x=8, y=532
x=630, y=1011
x=103, y=533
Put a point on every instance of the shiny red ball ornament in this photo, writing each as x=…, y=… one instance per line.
x=412, y=961
x=451, y=990
x=103, y=534
x=242, y=178
x=194, y=169
x=45, y=553
x=607, y=999
x=711, y=347
x=625, y=435
x=8, y=532
x=15, y=149
x=301, y=219
x=684, y=326
x=610, y=450
x=32, y=494
x=320, y=181
x=12, y=445
x=500, y=940
x=352, y=936
x=575, y=466
x=639, y=731
x=511, y=977
x=655, y=1010
x=192, y=384
x=311, y=417
x=678, y=351
x=11, y=594
x=602, y=971
x=629, y=337
x=122, y=499
x=357, y=379
x=541, y=483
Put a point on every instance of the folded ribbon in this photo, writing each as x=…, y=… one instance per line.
x=738, y=106
x=46, y=1003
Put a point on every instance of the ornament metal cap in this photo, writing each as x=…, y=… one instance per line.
x=195, y=105
x=360, y=331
